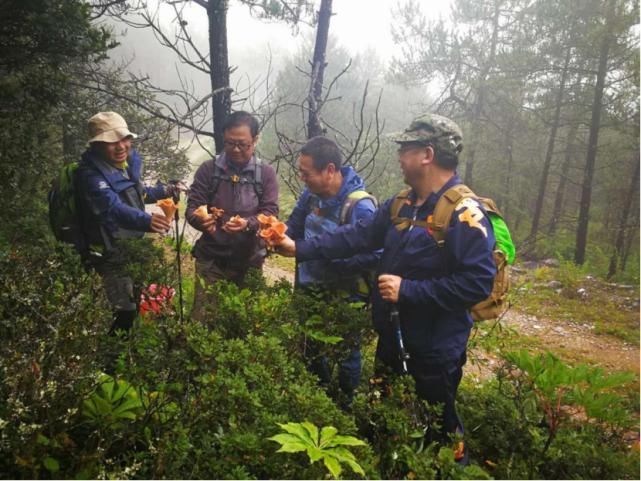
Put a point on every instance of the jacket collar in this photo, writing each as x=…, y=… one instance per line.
x=227, y=165
x=433, y=198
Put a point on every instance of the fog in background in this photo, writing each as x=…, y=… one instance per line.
x=360, y=30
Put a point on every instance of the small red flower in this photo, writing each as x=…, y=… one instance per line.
x=156, y=299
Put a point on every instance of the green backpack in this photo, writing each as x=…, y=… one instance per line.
x=504, y=251
x=63, y=209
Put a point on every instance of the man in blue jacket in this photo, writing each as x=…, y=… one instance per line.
x=432, y=286
x=111, y=200
x=334, y=196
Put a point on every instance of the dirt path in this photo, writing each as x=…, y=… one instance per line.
x=569, y=340
x=572, y=342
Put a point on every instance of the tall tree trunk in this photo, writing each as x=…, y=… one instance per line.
x=480, y=100
x=538, y=208
x=219, y=60
x=507, y=191
x=623, y=220
x=314, y=98
x=565, y=170
x=632, y=234
x=593, y=140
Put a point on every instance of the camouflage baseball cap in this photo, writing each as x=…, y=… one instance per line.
x=434, y=129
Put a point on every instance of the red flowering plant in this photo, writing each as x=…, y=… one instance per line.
x=156, y=299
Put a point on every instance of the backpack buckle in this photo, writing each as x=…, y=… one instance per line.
x=235, y=179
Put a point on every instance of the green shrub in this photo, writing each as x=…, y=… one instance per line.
x=52, y=318
x=395, y=422
x=546, y=422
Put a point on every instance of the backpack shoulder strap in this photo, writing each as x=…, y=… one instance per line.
x=402, y=223
x=350, y=202
x=490, y=206
x=397, y=204
x=445, y=207
x=258, y=179
x=219, y=175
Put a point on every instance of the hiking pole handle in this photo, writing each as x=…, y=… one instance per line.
x=395, y=319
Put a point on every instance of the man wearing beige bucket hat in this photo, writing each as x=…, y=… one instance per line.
x=111, y=201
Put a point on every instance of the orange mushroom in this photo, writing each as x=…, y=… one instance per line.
x=272, y=230
x=202, y=212
x=216, y=212
x=168, y=207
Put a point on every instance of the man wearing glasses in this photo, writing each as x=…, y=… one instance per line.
x=430, y=286
x=242, y=186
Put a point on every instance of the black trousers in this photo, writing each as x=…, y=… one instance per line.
x=436, y=383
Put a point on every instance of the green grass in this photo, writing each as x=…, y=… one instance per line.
x=602, y=306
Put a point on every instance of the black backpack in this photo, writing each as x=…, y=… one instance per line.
x=64, y=217
x=220, y=175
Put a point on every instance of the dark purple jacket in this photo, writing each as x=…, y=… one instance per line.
x=240, y=198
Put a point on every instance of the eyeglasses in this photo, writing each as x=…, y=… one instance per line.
x=240, y=145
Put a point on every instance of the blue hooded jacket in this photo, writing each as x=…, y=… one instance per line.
x=114, y=198
x=314, y=216
x=439, y=284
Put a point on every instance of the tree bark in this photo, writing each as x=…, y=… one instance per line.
x=595, y=124
x=219, y=76
x=314, y=98
x=480, y=99
x=623, y=220
x=565, y=170
x=549, y=154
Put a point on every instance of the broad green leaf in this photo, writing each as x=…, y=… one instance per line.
x=121, y=390
x=312, y=430
x=345, y=441
x=290, y=443
x=107, y=386
x=298, y=430
x=103, y=407
x=128, y=405
x=356, y=467
x=342, y=454
x=127, y=415
x=292, y=448
x=89, y=408
x=333, y=466
x=327, y=433
x=314, y=453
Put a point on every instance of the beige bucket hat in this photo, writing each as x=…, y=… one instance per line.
x=108, y=127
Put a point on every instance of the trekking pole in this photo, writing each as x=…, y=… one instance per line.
x=176, y=197
x=395, y=319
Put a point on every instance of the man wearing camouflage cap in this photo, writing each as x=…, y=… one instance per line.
x=431, y=285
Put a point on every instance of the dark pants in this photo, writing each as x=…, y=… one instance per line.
x=436, y=383
x=119, y=288
x=349, y=371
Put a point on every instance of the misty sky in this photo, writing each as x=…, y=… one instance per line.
x=357, y=25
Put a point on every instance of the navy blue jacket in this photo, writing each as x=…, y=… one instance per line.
x=439, y=284
x=114, y=198
x=314, y=216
